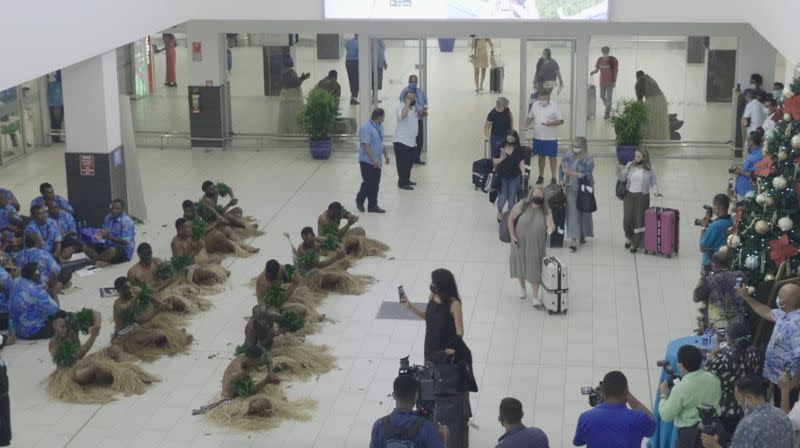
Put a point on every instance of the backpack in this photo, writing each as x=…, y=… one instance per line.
x=401, y=437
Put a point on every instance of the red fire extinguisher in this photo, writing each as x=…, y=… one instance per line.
x=196, y=102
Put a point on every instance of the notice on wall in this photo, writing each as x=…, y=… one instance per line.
x=87, y=165
x=197, y=51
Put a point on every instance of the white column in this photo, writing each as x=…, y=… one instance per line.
x=207, y=56
x=364, y=78
x=581, y=82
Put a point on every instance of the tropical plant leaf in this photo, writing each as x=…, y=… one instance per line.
x=66, y=354
x=319, y=113
x=82, y=321
x=224, y=190
x=291, y=321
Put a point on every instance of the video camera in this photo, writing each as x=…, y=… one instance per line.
x=672, y=377
x=710, y=423
x=703, y=222
x=426, y=378
x=594, y=393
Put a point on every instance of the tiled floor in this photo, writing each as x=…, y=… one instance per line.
x=623, y=309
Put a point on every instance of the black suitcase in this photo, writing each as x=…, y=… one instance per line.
x=496, y=80
x=559, y=219
x=481, y=169
x=454, y=412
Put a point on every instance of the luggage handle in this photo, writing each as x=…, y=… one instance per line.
x=486, y=148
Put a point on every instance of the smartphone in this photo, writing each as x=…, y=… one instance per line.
x=587, y=390
x=401, y=292
x=739, y=281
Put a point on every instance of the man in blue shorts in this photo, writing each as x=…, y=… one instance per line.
x=545, y=117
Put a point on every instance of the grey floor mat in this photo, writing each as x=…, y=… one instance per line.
x=396, y=310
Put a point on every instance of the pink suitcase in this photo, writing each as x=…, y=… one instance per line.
x=661, y=231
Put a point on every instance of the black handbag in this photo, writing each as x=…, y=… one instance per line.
x=586, y=202
x=621, y=189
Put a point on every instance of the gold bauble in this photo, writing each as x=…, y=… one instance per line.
x=724, y=250
x=769, y=202
x=734, y=241
x=787, y=117
x=769, y=278
x=762, y=227
x=761, y=198
x=783, y=155
x=795, y=141
x=779, y=182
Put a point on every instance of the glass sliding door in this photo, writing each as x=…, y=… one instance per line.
x=549, y=66
x=12, y=143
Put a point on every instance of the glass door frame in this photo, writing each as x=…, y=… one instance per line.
x=525, y=89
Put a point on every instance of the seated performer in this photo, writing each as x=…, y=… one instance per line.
x=31, y=308
x=232, y=214
x=275, y=288
x=70, y=243
x=52, y=276
x=11, y=223
x=219, y=237
x=307, y=254
x=239, y=370
x=354, y=240
x=273, y=275
x=117, y=237
x=183, y=245
x=144, y=271
x=6, y=285
x=330, y=219
x=76, y=373
x=47, y=229
x=140, y=330
x=260, y=329
x=329, y=274
x=48, y=193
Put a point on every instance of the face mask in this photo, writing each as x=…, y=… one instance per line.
x=638, y=162
x=412, y=86
x=752, y=86
x=538, y=200
x=510, y=142
x=544, y=102
x=577, y=149
x=779, y=303
x=434, y=289
x=777, y=93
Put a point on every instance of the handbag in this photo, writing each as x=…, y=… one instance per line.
x=621, y=189
x=504, y=233
x=586, y=202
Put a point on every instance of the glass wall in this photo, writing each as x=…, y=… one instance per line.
x=550, y=66
x=22, y=126
x=696, y=76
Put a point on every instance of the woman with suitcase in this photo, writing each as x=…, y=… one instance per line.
x=528, y=224
x=481, y=47
x=509, y=166
x=575, y=170
x=640, y=179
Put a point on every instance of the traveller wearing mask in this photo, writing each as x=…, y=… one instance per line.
x=640, y=179
x=576, y=167
x=528, y=224
x=545, y=117
x=422, y=112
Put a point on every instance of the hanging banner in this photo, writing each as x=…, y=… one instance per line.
x=197, y=51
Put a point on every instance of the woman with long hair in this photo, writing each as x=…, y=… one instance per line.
x=640, y=179
x=510, y=167
x=736, y=359
x=576, y=168
x=528, y=224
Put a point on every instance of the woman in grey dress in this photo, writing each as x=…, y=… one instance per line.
x=576, y=166
x=528, y=224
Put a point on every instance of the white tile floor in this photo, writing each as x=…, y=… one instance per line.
x=623, y=309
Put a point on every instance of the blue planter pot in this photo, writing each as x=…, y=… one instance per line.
x=625, y=153
x=320, y=149
x=446, y=44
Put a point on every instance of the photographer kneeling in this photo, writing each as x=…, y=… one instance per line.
x=763, y=425
x=403, y=424
x=715, y=228
x=447, y=354
x=612, y=419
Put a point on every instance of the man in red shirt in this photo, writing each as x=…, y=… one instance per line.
x=608, y=66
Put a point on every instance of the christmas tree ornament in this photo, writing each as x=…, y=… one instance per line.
x=734, y=241
x=762, y=227
x=795, y=141
x=787, y=117
x=761, y=198
x=779, y=182
x=751, y=290
x=765, y=167
x=787, y=92
x=785, y=224
x=751, y=261
x=769, y=278
x=769, y=202
x=771, y=135
x=782, y=154
x=724, y=250
x=781, y=249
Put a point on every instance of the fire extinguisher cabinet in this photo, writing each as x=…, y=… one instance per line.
x=209, y=116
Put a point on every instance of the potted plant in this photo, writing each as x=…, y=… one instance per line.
x=628, y=121
x=446, y=44
x=317, y=119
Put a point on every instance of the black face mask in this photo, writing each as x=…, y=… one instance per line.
x=538, y=200
x=434, y=289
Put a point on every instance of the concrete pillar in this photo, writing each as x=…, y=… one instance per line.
x=364, y=78
x=210, y=121
x=581, y=83
x=95, y=159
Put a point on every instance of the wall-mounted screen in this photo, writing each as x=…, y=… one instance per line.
x=468, y=9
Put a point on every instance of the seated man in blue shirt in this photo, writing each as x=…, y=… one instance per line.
x=68, y=228
x=48, y=192
x=31, y=308
x=117, y=238
x=47, y=229
x=53, y=278
x=6, y=283
x=11, y=224
x=612, y=424
x=716, y=230
x=517, y=435
x=403, y=424
x=12, y=200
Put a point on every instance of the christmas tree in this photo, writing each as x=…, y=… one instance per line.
x=766, y=231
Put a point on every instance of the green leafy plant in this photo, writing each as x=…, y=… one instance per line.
x=243, y=387
x=288, y=272
x=199, y=228
x=82, y=321
x=319, y=113
x=166, y=270
x=291, y=321
x=204, y=212
x=264, y=360
x=275, y=295
x=307, y=261
x=224, y=190
x=142, y=302
x=628, y=122
x=66, y=354
x=331, y=234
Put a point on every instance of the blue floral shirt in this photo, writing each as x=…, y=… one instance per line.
x=66, y=223
x=30, y=307
x=121, y=227
x=62, y=203
x=48, y=267
x=8, y=194
x=6, y=282
x=50, y=232
x=6, y=214
x=783, y=350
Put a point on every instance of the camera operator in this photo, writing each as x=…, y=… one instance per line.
x=763, y=425
x=696, y=387
x=446, y=352
x=405, y=425
x=715, y=225
x=718, y=291
x=613, y=420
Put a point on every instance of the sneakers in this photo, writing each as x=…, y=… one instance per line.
x=353, y=102
x=537, y=303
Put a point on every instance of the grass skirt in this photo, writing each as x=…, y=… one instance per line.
x=335, y=280
x=236, y=414
x=251, y=230
x=294, y=357
x=129, y=379
x=208, y=278
x=189, y=294
x=138, y=343
x=204, y=258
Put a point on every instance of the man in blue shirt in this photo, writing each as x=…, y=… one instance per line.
x=716, y=230
x=47, y=192
x=517, y=435
x=31, y=307
x=47, y=229
x=743, y=184
x=6, y=283
x=370, y=149
x=70, y=243
x=421, y=107
x=9, y=195
x=117, y=235
x=403, y=423
x=55, y=100
x=612, y=424
x=380, y=66
x=49, y=269
x=351, y=64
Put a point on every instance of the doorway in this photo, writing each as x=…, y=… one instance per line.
x=549, y=64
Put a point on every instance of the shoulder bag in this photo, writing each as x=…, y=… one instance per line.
x=586, y=202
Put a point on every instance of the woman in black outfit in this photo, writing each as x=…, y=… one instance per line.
x=444, y=330
x=510, y=167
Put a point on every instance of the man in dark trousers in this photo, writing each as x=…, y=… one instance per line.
x=370, y=150
x=351, y=64
x=608, y=66
x=422, y=112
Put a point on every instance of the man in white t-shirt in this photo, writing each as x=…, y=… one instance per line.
x=405, y=139
x=754, y=114
x=545, y=117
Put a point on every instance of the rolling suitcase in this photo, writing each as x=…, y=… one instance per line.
x=555, y=284
x=591, y=102
x=481, y=168
x=496, y=80
x=661, y=231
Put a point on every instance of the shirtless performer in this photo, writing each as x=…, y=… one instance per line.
x=293, y=295
x=239, y=370
x=90, y=373
x=353, y=239
x=334, y=215
x=229, y=212
x=311, y=247
x=273, y=275
x=144, y=272
x=183, y=245
x=260, y=329
x=329, y=274
x=220, y=237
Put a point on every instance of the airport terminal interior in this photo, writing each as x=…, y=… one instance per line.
x=624, y=308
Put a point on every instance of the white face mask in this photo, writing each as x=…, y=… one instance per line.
x=577, y=149
x=752, y=86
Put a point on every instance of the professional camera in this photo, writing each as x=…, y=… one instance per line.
x=426, y=404
x=671, y=375
x=710, y=423
x=703, y=222
x=594, y=393
x=732, y=169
